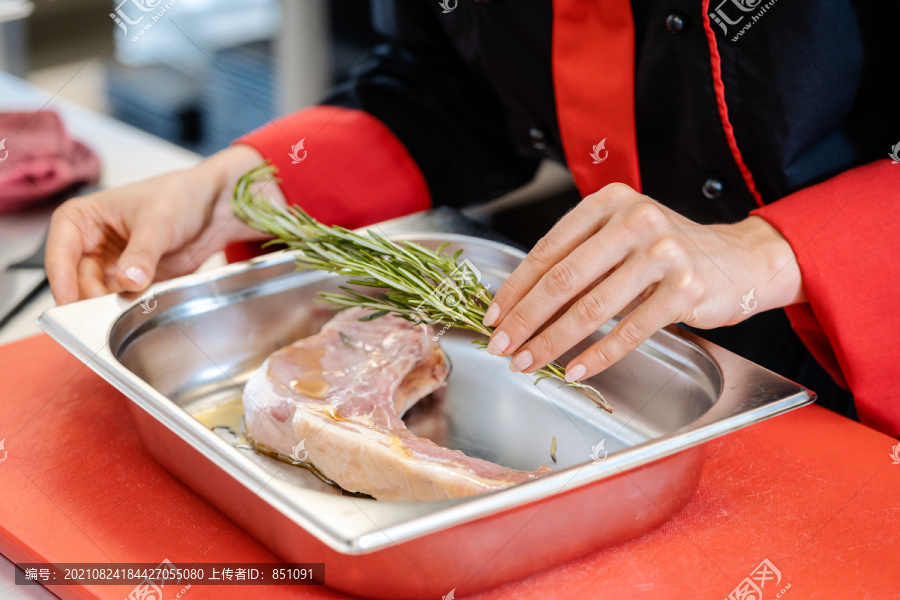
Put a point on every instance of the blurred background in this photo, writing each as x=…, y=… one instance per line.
x=95, y=94
x=203, y=73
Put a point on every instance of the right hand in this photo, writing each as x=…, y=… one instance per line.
x=124, y=239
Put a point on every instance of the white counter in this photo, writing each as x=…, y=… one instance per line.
x=126, y=155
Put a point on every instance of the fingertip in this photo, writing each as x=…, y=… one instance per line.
x=498, y=343
x=136, y=274
x=132, y=278
x=521, y=361
x=491, y=316
x=64, y=249
x=63, y=280
x=63, y=294
x=138, y=262
x=575, y=372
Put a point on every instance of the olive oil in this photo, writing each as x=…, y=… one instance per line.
x=229, y=417
x=311, y=387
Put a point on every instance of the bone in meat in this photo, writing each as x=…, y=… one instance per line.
x=343, y=392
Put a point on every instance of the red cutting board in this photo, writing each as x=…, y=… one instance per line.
x=814, y=493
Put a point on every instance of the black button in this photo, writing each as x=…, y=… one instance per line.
x=675, y=23
x=712, y=188
x=537, y=138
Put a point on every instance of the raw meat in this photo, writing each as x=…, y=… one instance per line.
x=342, y=393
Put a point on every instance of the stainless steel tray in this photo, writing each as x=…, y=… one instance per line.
x=194, y=344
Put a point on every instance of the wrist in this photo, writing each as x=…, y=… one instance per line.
x=775, y=274
x=221, y=172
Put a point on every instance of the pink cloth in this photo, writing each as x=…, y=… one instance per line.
x=38, y=159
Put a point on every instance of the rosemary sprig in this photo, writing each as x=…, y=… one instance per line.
x=414, y=282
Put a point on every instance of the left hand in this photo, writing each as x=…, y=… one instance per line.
x=619, y=249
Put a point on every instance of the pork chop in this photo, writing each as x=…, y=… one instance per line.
x=342, y=393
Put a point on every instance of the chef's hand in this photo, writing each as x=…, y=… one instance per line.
x=619, y=249
x=126, y=238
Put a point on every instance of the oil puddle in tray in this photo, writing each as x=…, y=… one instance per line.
x=227, y=421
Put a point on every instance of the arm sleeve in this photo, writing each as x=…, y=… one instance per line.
x=845, y=233
x=412, y=128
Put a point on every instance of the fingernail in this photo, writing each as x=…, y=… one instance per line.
x=490, y=317
x=136, y=275
x=498, y=343
x=575, y=373
x=521, y=361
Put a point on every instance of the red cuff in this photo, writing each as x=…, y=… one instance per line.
x=343, y=166
x=844, y=233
